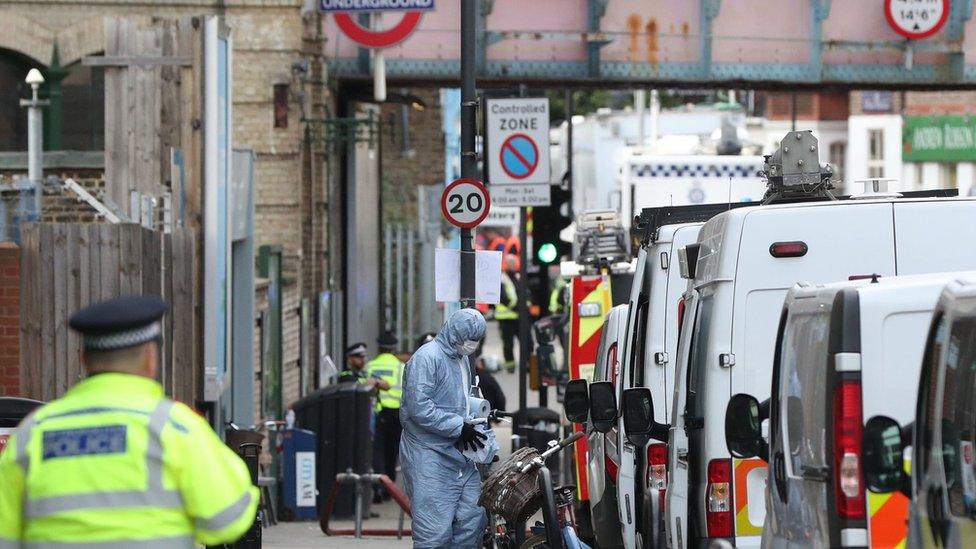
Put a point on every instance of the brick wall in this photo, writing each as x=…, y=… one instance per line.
x=941, y=102
x=402, y=171
x=9, y=319
x=809, y=105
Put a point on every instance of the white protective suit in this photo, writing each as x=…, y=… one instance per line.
x=442, y=484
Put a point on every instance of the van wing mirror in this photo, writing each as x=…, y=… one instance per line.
x=883, y=454
x=576, y=400
x=743, y=428
x=603, y=405
x=638, y=410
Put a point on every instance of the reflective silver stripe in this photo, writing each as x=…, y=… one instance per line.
x=154, y=495
x=175, y=542
x=23, y=435
x=39, y=508
x=226, y=517
x=154, y=450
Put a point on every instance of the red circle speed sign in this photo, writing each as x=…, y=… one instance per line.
x=916, y=19
x=378, y=39
x=465, y=203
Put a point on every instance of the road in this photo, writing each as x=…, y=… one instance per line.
x=308, y=534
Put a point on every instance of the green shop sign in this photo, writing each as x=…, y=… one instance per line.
x=939, y=138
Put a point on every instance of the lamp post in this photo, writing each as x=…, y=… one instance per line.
x=35, y=135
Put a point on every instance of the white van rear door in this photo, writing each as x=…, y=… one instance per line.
x=935, y=236
x=841, y=241
x=676, y=498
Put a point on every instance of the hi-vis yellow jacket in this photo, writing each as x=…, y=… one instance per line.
x=115, y=464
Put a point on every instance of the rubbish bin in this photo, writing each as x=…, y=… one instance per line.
x=535, y=427
x=341, y=417
x=298, y=468
x=12, y=410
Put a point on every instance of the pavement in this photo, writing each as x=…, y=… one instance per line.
x=308, y=534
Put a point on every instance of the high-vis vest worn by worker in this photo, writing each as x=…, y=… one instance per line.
x=113, y=464
x=387, y=367
x=507, y=308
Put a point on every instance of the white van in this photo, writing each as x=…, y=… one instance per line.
x=942, y=484
x=602, y=487
x=747, y=260
x=844, y=352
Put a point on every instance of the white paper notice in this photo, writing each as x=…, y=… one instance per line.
x=447, y=275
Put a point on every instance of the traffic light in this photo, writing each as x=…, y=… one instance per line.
x=547, y=222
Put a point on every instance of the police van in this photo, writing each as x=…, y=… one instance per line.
x=647, y=358
x=745, y=261
x=741, y=269
x=844, y=352
x=942, y=483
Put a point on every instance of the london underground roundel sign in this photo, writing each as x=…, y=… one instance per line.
x=378, y=39
x=916, y=19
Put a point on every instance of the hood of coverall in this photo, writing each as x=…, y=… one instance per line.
x=463, y=325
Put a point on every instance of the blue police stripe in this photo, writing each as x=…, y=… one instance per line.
x=88, y=441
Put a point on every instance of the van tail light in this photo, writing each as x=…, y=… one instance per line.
x=611, y=468
x=718, y=499
x=681, y=314
x=657, y=471
x=848, y=425
x=788, y=249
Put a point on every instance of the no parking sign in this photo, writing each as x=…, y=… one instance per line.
x=518, y=142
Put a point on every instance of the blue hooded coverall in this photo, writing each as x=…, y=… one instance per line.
x=443, y=485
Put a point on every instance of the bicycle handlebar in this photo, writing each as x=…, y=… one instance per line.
x=564, y=443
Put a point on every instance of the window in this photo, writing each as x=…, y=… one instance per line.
x=600, y=370
x=837, y=153
x=698, y=356
x=281, y=105
x=803, y=361
x=959, y=418
x=13, y=119
x=947, y=175
x=875, y=153
x=925, y=408
x=637, y=343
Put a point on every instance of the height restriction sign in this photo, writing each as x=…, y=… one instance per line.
x=518, y=141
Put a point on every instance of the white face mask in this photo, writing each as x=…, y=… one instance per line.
x=468, y=347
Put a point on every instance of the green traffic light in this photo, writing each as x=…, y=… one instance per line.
x=547, y=253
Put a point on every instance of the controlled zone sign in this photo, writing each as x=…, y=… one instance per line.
x=465, y=203
x=411, y=9
x=518, y=140
x=916, y=19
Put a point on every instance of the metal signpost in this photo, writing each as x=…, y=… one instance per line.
x=517, y=156
x=469, y=158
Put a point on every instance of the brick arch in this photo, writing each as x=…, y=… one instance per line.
x=84, y=38
x=26, y=37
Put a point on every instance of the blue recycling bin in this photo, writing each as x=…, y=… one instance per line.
x=300, y=488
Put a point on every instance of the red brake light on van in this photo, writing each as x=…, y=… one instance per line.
x=848, y=424
x=788, y=249
x=657, y=460
x=718, y=499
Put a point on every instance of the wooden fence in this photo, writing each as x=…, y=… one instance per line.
x=66, y=266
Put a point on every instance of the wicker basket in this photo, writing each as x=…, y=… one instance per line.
x=510, y=493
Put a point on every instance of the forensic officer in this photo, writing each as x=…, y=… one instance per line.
x=113, y=463
x=388, y=368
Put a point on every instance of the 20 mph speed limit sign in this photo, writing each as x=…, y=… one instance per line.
x=465, y=203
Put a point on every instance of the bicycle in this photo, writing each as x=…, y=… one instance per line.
x=558, y=527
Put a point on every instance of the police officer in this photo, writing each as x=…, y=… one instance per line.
x=386, y=367
x=356, y=368
x=113, y=463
